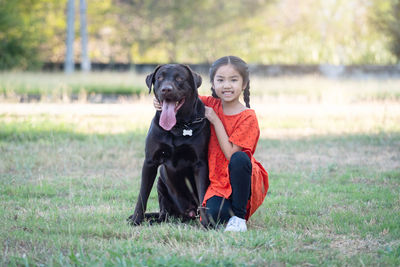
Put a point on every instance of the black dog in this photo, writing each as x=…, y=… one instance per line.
x=178, y=142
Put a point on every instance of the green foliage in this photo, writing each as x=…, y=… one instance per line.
x=18, y=40
x=386, y=17
x=30, y=32
x=261, y=31
x=311, y=31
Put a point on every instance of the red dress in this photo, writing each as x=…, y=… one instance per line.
x=243, y=131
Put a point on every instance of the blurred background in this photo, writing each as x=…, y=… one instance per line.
x=327, y=53
x=33, y=33
x=301, y=53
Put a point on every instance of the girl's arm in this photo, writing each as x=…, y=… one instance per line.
x=227, y=147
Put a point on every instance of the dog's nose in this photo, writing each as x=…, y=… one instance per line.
x=166, y=89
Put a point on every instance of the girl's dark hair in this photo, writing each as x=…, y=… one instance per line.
x=240, y=66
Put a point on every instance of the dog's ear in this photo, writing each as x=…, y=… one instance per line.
x=196, y=78
x=150, y=78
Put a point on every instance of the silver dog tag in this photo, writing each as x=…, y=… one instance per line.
x=187, y=132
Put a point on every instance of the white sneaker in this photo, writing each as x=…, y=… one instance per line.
x=236, y=224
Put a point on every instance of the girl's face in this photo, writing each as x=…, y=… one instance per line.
x=228, y=83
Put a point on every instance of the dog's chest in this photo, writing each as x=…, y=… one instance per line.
x=176, y=156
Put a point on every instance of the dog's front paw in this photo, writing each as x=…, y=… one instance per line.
x=134, y=220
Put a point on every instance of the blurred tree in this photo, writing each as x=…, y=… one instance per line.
x=19, y=40
x=53, y=28
x=316, y=31
x=159, y=31
x=386, y=18
x=281, y=31
x=183, y=30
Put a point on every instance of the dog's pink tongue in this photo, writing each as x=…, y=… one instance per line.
x=167, y=118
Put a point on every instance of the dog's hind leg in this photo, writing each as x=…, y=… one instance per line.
x=163, y=198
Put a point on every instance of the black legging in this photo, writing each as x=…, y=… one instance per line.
x=219, y=209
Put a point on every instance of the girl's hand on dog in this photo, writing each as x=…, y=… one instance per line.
x=211, y=115
x=157, y=104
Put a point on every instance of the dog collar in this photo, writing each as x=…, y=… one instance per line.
x=188, y=129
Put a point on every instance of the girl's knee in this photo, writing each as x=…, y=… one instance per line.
x=239, y=159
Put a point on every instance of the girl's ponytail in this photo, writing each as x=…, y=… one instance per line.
x=214, y=94
x=246, y=94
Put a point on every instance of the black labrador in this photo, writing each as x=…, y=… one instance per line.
x=178, y=142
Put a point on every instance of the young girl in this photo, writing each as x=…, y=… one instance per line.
x=238, y=182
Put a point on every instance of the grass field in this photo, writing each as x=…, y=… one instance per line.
x=69, y=177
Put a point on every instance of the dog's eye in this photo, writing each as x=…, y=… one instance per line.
x=160, y=78
x=179, y=79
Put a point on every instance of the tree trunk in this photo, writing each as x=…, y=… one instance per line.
x=85, y=61
x=69, y=56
